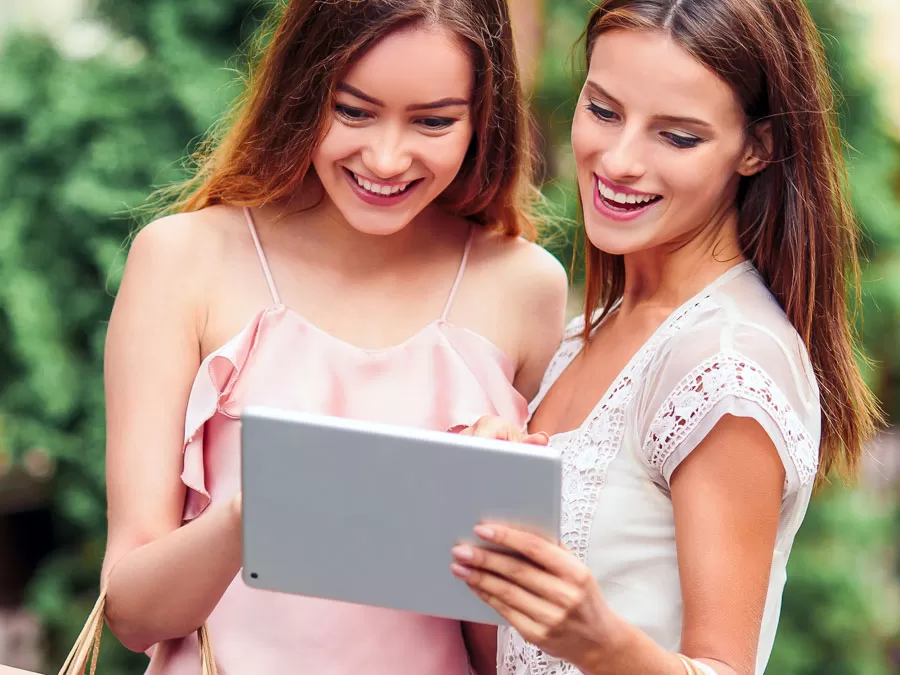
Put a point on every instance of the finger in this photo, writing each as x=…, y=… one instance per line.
x=521, y=572
x=528, y=628
x=495, y=427
x=492, y=427
x=510, y=594
x=539, y=438
x=547, y=554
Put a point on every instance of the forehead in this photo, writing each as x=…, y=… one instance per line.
x=414, y=65
x=651, y=73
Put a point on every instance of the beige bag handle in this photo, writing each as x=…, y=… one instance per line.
x=87, y=645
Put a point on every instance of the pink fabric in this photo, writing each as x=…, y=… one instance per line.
x=442, y=376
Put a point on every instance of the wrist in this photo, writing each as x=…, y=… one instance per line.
x=614, y=639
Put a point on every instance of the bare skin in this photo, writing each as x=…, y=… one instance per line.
x=192, y=281
x=726, y=495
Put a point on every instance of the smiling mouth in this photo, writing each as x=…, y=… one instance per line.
x=377, y=189
x=625, y=203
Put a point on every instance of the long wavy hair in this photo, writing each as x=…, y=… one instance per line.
x=262, y=151
x=795, y=221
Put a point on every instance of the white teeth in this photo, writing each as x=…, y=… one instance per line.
x=379, y=189
x=620, y=198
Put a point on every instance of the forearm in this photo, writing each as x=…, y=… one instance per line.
x=632, y=651
x=167, y=588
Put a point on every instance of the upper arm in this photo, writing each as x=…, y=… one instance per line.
x=540, y=294
x=726, y=497
x=729, y=425
x=151, y=359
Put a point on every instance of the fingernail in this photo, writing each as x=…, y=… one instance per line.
x=460, y=571
x=462, y=553
x=484, y=532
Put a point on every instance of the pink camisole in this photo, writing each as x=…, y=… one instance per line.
x=442, y=376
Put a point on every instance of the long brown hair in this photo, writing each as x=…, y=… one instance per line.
x=262, y=152
x=795, y=221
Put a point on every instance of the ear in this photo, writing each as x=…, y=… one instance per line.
x=758, y=149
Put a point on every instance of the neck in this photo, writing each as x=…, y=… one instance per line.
x=667, y=276
x=320, y=229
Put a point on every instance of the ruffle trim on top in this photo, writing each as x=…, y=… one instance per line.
x=209, y=396
x=481, y=357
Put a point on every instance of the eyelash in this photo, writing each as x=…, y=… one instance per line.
x=677, y=140
x=352, y=114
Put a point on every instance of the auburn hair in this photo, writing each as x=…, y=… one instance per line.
x=262, y=151
x=795, y=221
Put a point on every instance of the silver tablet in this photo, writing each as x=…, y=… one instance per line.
x=367, y=513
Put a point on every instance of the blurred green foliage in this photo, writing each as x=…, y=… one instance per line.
x=83, y=142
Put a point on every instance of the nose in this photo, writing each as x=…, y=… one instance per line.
x=385, y=155
x=622, y=161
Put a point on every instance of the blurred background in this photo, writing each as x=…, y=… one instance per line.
x=99, y=102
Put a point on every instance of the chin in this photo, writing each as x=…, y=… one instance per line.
x=616, y=241
x=379, y=226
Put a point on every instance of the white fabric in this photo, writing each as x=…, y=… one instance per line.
x=728, y=350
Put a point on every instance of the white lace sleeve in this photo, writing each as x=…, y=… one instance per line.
x=743, y=370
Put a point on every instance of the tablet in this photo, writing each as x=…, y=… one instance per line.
x=367, y=513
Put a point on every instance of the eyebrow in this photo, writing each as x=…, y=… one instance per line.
x=664, y=118
x=441, y=103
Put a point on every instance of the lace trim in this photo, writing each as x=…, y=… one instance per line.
x=585, y=460
x=568, y=349
x=727, y=374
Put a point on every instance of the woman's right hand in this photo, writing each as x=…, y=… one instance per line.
x=498, y=428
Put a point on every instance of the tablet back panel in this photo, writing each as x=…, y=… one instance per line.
x=368, y=513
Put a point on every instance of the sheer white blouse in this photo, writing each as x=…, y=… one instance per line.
x=729, y=350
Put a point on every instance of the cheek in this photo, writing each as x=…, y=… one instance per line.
x=585, y=140
x=696, y=178
x=338, y=144
x=444, y=155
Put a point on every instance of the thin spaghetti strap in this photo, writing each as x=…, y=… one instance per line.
x=459, y=274
x=262, y=257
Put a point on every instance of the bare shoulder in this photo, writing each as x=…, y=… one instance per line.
x=528, y=272
x=185, y=237
x=184, y=249
x=173, y=263
x=528, y=287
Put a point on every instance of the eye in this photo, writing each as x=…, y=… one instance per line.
x=436, y=123
x=681, y=141
x=601, y=113
x=350, y=113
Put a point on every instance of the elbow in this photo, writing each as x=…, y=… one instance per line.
x=138, y=633
x=133, y=637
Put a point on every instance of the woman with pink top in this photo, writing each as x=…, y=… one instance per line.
x=347, y=247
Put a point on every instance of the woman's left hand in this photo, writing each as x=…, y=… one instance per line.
x=545, y=592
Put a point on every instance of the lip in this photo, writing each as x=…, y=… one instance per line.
x=622, y=189
x=380, y=200
x=614, y=214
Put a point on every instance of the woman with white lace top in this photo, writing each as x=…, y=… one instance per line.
x=712, y=381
